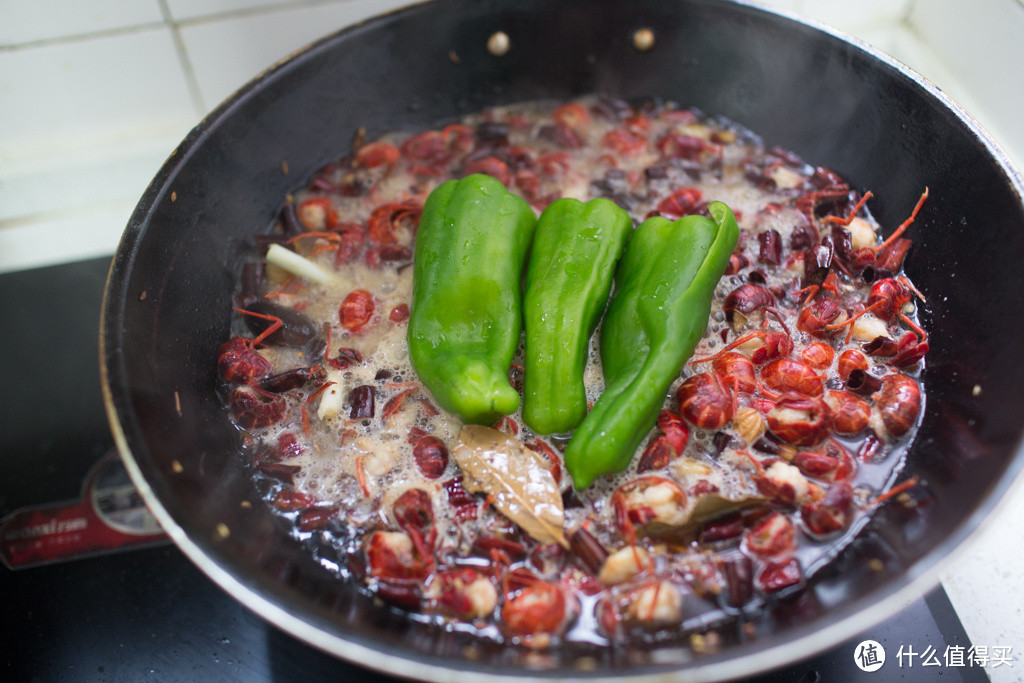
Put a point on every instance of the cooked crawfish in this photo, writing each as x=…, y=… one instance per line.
x=886, y=300
x=831, y=513
x=818, y=355
x=745, y=300
x=680, y=203
x=788, y=375
x=909, y=350
x=737, y=262
x=492, y=166
x=887, y=257
x=850, y=360
x=463, y=592
x=850, y=413
x=776, y=576
x=648, y=500
x=674, y=429
x=431, y=456
x=254, y=407
x=431, y=150
x=799, y=420
x=377, y=154
x=833, y=197
x=538, y=608
x=898, y=403
x=415, y=514
x=705, y=401
x=666, y=446
x=388, y=219
x=625, y=142
x=833, y=463
x=316, y=214
x=783, y=483
x=653, y=604
x=658, y=454
x=736, y=371
x=817, y=465
x=571, y=115
x=238, y=362
x=772, y=536
x=679, y=146
x=393, y=555
x=821, y=317
x=759, y=346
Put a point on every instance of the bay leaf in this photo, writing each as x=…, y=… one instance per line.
x=516, y=478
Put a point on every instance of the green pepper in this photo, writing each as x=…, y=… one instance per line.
x=466, y=316
x=575, y=250
x=660, y=310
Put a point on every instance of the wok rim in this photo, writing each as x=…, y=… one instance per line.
x=759, y=656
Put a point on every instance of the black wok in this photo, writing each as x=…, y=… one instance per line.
x=834, y=102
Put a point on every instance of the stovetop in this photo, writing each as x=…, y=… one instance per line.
x=122, y=603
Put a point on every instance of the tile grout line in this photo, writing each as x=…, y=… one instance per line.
x=42, y=217
x=91, y=35
x=260, y=10
x=906, y=15
x=168, y=21
x=186, y=64
x=195, y=92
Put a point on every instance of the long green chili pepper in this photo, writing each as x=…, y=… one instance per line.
x=466, y=317
x=655, y=320
x=569, y=276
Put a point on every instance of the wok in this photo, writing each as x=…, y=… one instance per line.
x=833, y=101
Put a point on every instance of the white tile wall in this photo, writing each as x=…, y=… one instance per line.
x=227, y=54
x=82, y=232
x=86, y=93
x=94, y=95
x=38, y=20
x=83, y=126
x=982, y=46
x=182, y=10
x=854, y=17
